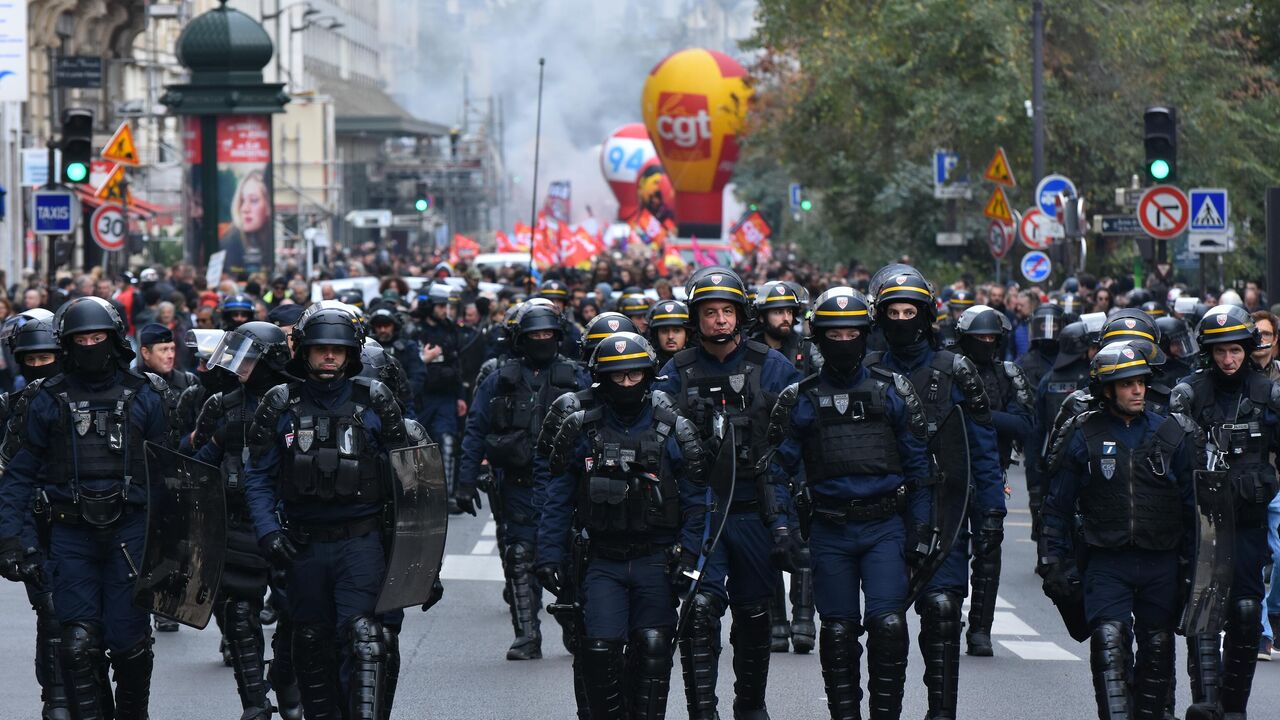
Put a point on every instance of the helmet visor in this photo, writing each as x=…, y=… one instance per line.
x=1046, y=327
x=203, y=342
x=1183, y=346
x=237, y=354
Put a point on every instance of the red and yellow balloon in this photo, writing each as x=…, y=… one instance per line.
x=694, y=105
x=622, y=157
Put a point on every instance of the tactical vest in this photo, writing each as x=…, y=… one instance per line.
x=442, y=373
x=1061, y=383
x=932, y=382
x=235, y=449
x=739, y=394
x=852, y=434
x=516, y=413
x=1034, y=366
x=614, y=497
x=329, y=457
x=1130, y=499
x=1243, y=437
x=95, y=438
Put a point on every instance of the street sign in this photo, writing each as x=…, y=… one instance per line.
x=947, y=184
x=35, y=166
x=78, y=71
x=1049, y=188
x=949, y=239
x=1163, y=212
x=112, y=187
x=1116, y=225
x=1035, y=266
x=999, y=239
x=1212, y=243
x=54, y=212
x=1209, y=210
x=108, y=227
x=120, y=149
x=796, y=194
x=369, y=218
x=998, y=170
x=1038, y=230
x=998, y=207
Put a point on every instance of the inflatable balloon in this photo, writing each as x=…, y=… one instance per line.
x=653, y=191
x=694, y=104
x=622, y=157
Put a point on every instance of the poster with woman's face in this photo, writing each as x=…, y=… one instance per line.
x=244, y=192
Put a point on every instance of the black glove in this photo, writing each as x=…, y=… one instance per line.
x=468, y=498
x=918, y=541
x=31, y=567
x=682, y=572
x=11, y=559
x=549, y=577
x=782, y=556
x=1058, y=583
x=278, y=549
x=437, y=592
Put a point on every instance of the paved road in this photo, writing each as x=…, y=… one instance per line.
x=454, y=666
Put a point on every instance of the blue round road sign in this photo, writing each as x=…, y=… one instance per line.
x=1049, y=188
x=1036, y=266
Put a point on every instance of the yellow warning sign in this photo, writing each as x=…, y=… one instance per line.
x=998, y=170
x=998, y=207
x=121, y=148
x=113, y=187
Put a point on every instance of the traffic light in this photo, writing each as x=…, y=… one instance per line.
x=806, y=204
x=77, y=144
x=1160, y=138
x=421, y=198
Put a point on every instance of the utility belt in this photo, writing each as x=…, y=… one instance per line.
x=334, y=532
x=93, y=508
x=861, y=510
x=623, y=551
x=744, y=506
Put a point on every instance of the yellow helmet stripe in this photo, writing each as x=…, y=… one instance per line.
x=1229, y=328
x=922, y=291
x=709, y=288
x=1139, y=333
x=631, y=356
x=664, y=316
x=1120, y=366
x=840, y=313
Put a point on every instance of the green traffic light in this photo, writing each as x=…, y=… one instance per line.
x=1159, y=169
x=421, y=204
x=753, y=207
x=77, y=172
x=806, y=205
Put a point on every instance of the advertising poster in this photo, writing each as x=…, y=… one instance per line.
x=244, y=193
x=193, y=189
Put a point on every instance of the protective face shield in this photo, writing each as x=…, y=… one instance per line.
x=202, y=343
x=237, y=354
x=1045, y=327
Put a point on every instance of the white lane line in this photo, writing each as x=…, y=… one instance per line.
x=1025, y=540
x=1019, y=511
x=484, y=547
x=490, y=529
x=1016, y=523
x=1000, y=603
x=1037, y=650
x=1006, y=623
x=472, y=567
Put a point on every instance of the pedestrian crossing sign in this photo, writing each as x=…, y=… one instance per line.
x=1209, y=210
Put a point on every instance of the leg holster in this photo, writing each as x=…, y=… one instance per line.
x=1153, y=674
x=316, y=671
x=700, y=655
x=133, y=680
x=368, y=655
x=244, y=639
x=651, y=675
x=750, y=638
x=840, y=653
x=1240, y=653
x=887, y=646
x=1109, y=661
x=940, y=646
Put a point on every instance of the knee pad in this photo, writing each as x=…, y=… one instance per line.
x=652, y=650
x=889, y=626
x=1245, y=613
x=838, y=632
x=752, y=609
x=519, y=554
x=82, y=641
x=240, y=617
x=140, y=650
x=364, y=637
x=938, y=606
x=1111, y=633
x=707, y=609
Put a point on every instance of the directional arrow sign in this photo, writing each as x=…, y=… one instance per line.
x=1110, y=225
x=1164, y=212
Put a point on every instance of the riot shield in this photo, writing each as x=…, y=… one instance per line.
x=186, y=538
x=421, y=519
x=949, y=460
x=1212, y=565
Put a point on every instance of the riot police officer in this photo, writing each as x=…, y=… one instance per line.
x=628, y=475
x=636, y=306
x=725, y=379
x=502, y=426
x=387, y=327
x=861, y=435
x=442, y=398
x=959, y=301
x=201, y=344
x=557, y=293
x=1047, y=322
x=1238, y=409
x=983, y=334
x=1127, y=472
x=316, y=451
x=235, y=310
x=942, y=380
x=29, y=339
x=668, y=329
x=1179, y=346
x=256, y=354
x=158, y=351
x=81, y=435
x=1070, y=372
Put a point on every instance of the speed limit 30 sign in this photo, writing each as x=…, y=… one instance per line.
x=108, y=227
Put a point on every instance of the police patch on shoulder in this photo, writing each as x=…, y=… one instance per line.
x=288, y=440
x=588, y=463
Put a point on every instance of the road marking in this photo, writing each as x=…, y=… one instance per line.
x=472, y=567
x=1000, y=603
x=1016, y=523
x=1037, y=650
x=490, y=529
x=484, y=547
x=1020, y=511
x=1006, y=623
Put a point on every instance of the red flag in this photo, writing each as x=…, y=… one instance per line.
x=581, y=249
x=503, y=243
x=464, y=248
x=522, y=238
x=545, y=253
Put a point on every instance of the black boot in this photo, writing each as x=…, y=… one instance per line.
x=580, y=687
x=53, y=693
x=368, y=656
x=651, y=678
x=390, y=640
x=779, y=628
x=244, y=640
x=839, y=652
x=887, y=647
x=803, y=631
x=316, y=670
x=1204, y=668
x=940, y=646
x=281, y=671
x=749, y=637
x=1108, y=659
x=985, y=582
x=1240, y=653
x=1153, y=673
x=81, y=658
x=700, y=656
x=133, y=680
x=524, y=606
x=602, y=674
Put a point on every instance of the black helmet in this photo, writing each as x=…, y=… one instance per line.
x=884, y=277
x=91, y=314
x=1129, y=324
x=443, y=294
x=385, y=315
x=635, y=305
x=622, y=351
x=272, y=344
x=776, y=295
x=1046, y=323
x=1118, y=361
x=982, y=320
x=1071, y=304
x=906, y=287
x=232, y=304
x=353, y=297
x=602, y=326
x=30, y=331
x=1155, y=309
x=961, y=300
x=374, y=361
x=1227, y=324
x=553, y=290
x=538, y=317
x=716, y=283
x=1073, y=343
x=326, y=326
x=1176, y=338
x=668, y=313
x=839, y=307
